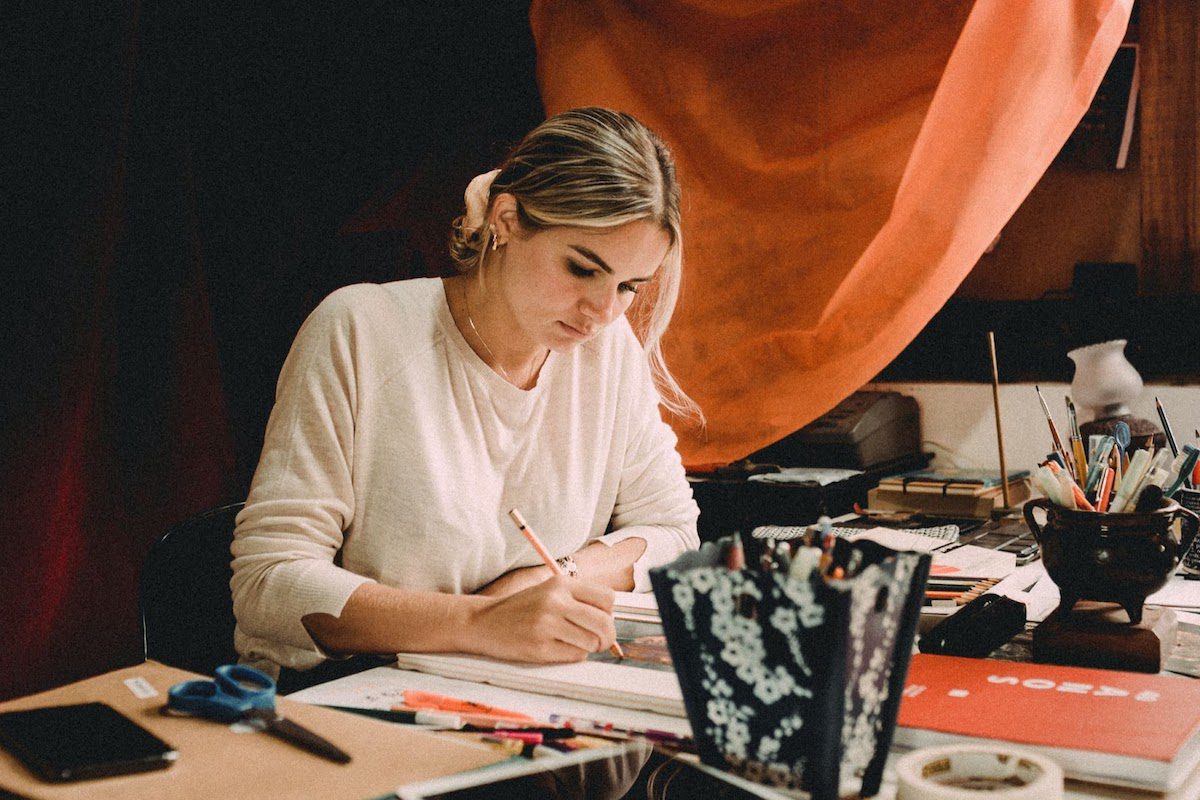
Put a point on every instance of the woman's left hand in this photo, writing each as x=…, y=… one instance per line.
x=515, y=581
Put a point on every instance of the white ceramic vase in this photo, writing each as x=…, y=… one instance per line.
x=1104, y=381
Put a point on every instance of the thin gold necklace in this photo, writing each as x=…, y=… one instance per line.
x=482, y=341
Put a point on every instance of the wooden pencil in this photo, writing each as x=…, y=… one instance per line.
x=548, y=559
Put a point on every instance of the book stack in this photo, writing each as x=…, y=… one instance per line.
x=1121, y=728
x=949, y=491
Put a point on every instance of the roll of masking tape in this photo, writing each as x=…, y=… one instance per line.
x=977, y=772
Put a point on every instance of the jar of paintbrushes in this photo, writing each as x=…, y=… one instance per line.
x=1112, y=530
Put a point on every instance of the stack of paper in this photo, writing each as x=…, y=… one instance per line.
x=627, y=685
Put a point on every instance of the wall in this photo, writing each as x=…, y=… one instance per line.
x=958, y=423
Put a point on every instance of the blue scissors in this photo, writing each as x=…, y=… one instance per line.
x=243, y=693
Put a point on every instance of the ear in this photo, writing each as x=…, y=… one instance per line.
x=504, y=217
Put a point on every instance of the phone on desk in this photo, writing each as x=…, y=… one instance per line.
x=81, y=741
x=865, y=429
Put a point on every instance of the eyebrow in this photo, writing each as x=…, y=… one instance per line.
x=591, y=255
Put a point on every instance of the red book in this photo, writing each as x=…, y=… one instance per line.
x=1124, y=728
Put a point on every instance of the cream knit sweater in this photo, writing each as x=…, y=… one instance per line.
x=393, y=454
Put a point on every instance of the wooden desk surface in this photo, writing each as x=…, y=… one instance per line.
x=216, y=762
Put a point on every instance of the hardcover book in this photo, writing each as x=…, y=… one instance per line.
x=952, y=505
x=949, y=480
x=1122, y=728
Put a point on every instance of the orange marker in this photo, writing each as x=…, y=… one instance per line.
x=429, y=700
x=1106, y=484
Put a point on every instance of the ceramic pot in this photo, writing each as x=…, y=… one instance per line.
x=1104, y=380
x=1116, y=558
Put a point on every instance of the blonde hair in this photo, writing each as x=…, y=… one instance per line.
x=597, y=168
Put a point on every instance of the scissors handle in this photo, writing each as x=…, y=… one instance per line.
x=203, y=699
x=235, y=691
x=247, y=683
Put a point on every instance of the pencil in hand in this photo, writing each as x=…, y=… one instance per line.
x=549, y=561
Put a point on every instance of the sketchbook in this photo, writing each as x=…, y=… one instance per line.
x=636, y=606
x=1122, y=728
x=639, y=682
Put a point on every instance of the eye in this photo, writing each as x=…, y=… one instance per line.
x=580, y=271
x=628, y=287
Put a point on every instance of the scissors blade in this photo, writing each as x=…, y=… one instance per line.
x=297, y=734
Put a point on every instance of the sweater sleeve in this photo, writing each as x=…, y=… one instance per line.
x=301, y=499
x=654, y=500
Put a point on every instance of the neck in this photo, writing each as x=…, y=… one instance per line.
x=490, y=336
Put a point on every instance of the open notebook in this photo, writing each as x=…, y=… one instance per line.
x=629, y=684
x=644, y=680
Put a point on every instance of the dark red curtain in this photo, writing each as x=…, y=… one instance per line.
x=180, y=190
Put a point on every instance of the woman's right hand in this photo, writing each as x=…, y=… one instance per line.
x=558, y=620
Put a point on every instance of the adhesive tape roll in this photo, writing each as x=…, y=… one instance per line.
x=976, y=772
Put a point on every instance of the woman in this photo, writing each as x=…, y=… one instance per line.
x=411, y=416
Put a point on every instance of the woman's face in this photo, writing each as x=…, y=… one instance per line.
x=563, y=284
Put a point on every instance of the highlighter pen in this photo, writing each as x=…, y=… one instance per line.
x=1185, y=469
x=548, y=559
x=1105, y=490
x=1138, y=466
x=1072, y=495
x=1046, y=481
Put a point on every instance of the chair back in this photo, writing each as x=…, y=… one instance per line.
x=185, y=600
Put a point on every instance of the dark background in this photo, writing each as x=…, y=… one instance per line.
x=183, y=182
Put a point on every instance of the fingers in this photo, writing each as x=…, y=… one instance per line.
x=594, y=594
x=558, y=620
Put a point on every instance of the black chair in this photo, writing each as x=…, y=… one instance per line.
x=186, y=605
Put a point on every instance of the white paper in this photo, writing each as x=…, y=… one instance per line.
x=628, y=686
x=1177, y=593
x=383, y=687
x=821, y=475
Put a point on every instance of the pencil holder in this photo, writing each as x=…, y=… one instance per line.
x=1190, y=499
x=794, y=682
x=1120, y=558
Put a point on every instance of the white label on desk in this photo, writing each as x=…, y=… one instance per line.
x=140, y=687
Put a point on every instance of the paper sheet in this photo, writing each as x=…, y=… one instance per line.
x=384, y=686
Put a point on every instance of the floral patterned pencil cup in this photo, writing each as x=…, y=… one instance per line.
x=794, y=682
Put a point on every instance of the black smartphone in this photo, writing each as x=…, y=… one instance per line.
x=81, y=741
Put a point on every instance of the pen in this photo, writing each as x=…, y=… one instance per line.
x=523, y=526
x=1162, y=415
x=413, y=717
x=598, y=728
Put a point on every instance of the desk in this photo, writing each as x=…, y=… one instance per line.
x=657, y=769
x=216, y=763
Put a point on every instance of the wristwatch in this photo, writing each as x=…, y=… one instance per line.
x=568, y=566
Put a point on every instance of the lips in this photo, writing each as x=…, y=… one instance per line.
x=580, y=333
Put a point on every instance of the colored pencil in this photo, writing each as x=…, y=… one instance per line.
x=548, y=559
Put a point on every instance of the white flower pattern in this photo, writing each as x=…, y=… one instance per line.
x=758, y=646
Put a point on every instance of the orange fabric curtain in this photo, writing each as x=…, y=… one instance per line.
x=844, y=165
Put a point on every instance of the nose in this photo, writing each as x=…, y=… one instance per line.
x=603, y=305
